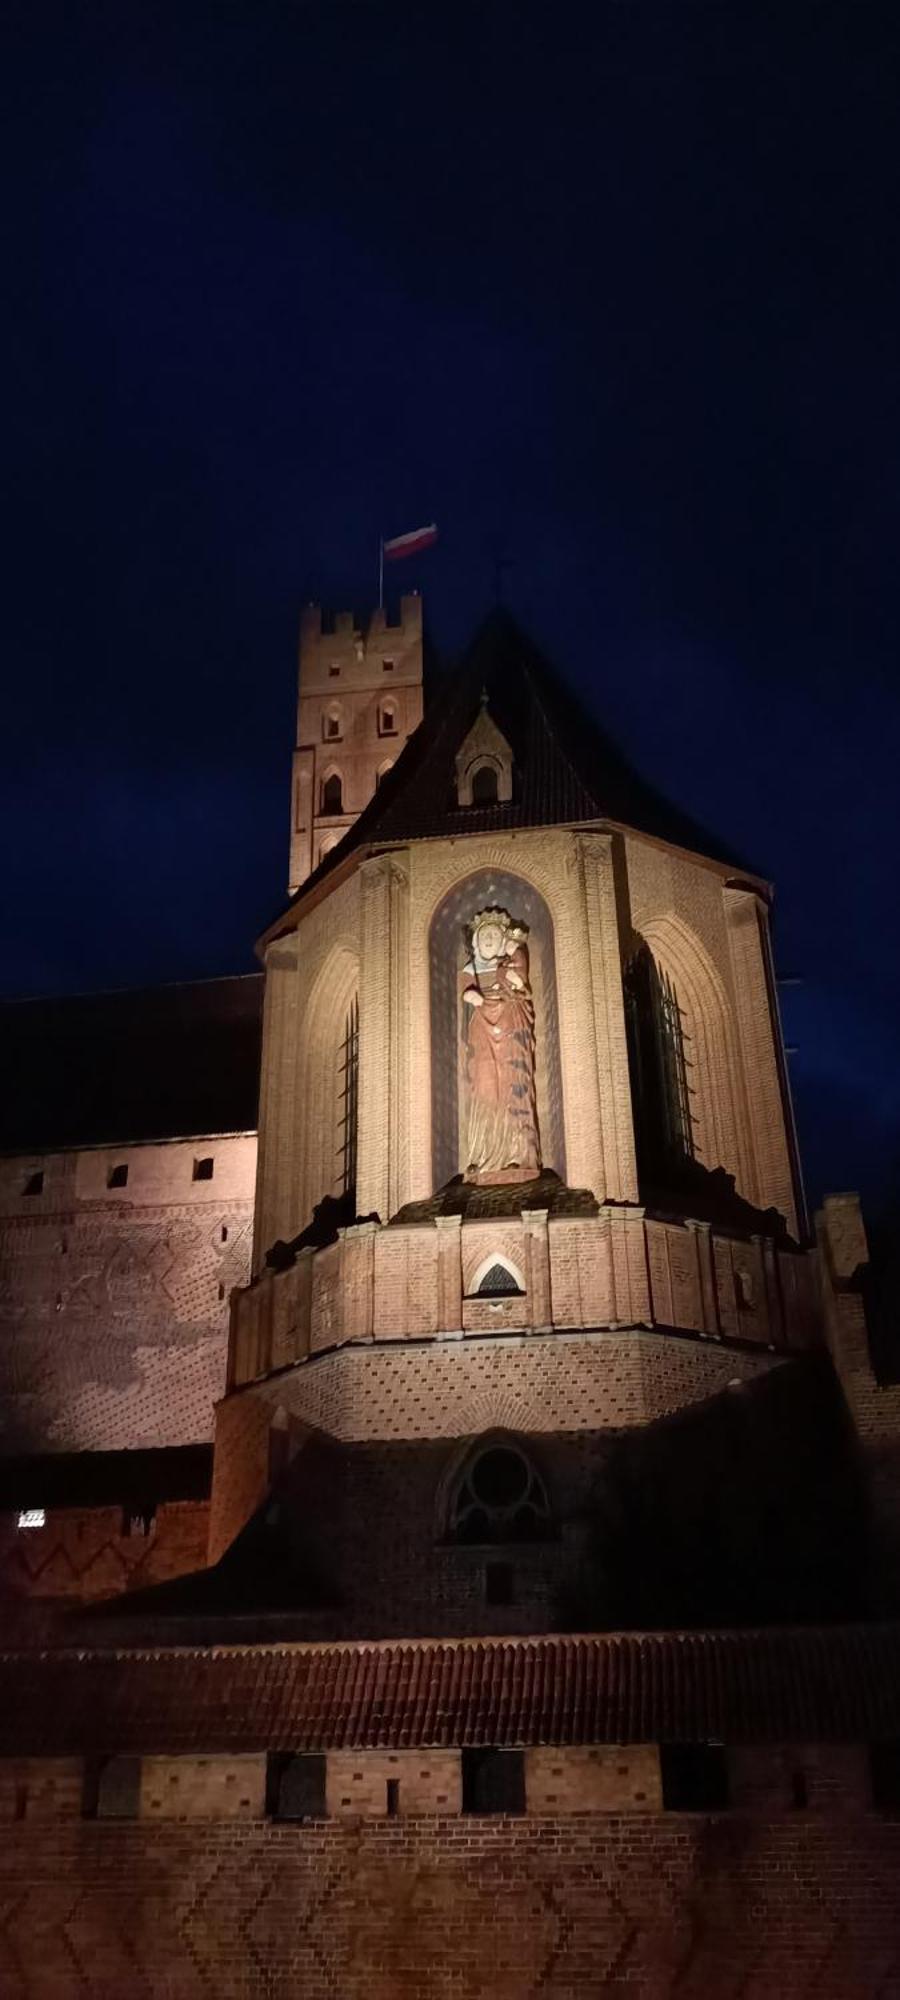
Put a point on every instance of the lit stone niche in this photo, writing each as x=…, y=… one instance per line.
x=484, y=764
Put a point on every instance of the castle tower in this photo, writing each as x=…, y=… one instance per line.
x=359, y=698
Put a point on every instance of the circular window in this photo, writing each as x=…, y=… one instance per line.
x=500, y=1498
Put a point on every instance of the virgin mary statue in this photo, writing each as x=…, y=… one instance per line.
x=500, y=1127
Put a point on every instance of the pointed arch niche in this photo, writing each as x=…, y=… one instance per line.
x=709, y=1045
x=327, y=1082
x=446, y=950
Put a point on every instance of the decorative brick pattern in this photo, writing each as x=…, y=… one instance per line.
x=114, y=1301
x=82, y=1552
x=451, y=1909
x=565, y=1382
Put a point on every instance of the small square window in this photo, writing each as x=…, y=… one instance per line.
x=112, y=1788
x=694, y=1777
x=34, y=1183
x=333, y=673
x=117, y=1176
x=493, y=1781
x=388, y=666
x=203, y=1169
x=295, y=1787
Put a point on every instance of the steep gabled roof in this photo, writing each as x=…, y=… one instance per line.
x=567, y=770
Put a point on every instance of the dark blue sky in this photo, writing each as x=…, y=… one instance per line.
x=618, y=284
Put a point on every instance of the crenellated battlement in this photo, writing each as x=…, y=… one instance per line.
x=338, y=640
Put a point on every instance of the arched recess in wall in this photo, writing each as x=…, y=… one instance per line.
x=332, y=793
x=447, y=952
x=710, y=1046
x=327, y=1082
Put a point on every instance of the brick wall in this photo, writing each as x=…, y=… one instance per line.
x=84, y=1553
x=452, y=1909
x=114, y=1299
x=583, y=1381
x=427, y=1782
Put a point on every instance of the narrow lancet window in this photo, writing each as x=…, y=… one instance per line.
x=332, y=795
x=348, y=1100
x=658, y=1061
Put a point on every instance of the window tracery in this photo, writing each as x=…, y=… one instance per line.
x=498, y=1497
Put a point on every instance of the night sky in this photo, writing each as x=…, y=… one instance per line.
x=611, y=291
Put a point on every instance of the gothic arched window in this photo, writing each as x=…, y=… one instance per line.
x=659, y=1067
x=348, y=1101
x=499, y=1280
x=332, y=795
x=484, y=785
x=499, y=1497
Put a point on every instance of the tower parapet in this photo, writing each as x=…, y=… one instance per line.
x=359, y=698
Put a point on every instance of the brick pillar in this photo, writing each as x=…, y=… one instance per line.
x=773, y=1305
x=449, y=1229
x=537, y=1266
x=358, y=1279
x=277, y=1122
x=757, y=1031
x=615, y=1172
x=630, y=1273
x=383, y=1159
x=702, y=1234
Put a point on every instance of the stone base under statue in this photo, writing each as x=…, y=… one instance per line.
x=504, y=1178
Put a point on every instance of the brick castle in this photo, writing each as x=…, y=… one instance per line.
x=452, y=1521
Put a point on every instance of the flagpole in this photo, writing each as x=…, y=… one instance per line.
x=381, y=573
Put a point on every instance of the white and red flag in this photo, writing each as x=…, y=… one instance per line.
x=409, y=545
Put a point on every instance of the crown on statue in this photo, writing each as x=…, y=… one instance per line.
x=493, y=919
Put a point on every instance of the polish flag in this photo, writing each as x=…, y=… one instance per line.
x=409, y=545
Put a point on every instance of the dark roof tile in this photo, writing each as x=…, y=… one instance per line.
x=798, y=1685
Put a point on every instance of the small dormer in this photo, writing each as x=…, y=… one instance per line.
x=484, y=763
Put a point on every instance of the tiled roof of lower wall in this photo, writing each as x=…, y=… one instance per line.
x=787, y=1686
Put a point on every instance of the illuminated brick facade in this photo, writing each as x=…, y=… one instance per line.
x=522, y=1638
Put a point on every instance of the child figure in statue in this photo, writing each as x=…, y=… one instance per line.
x=500, y=1125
